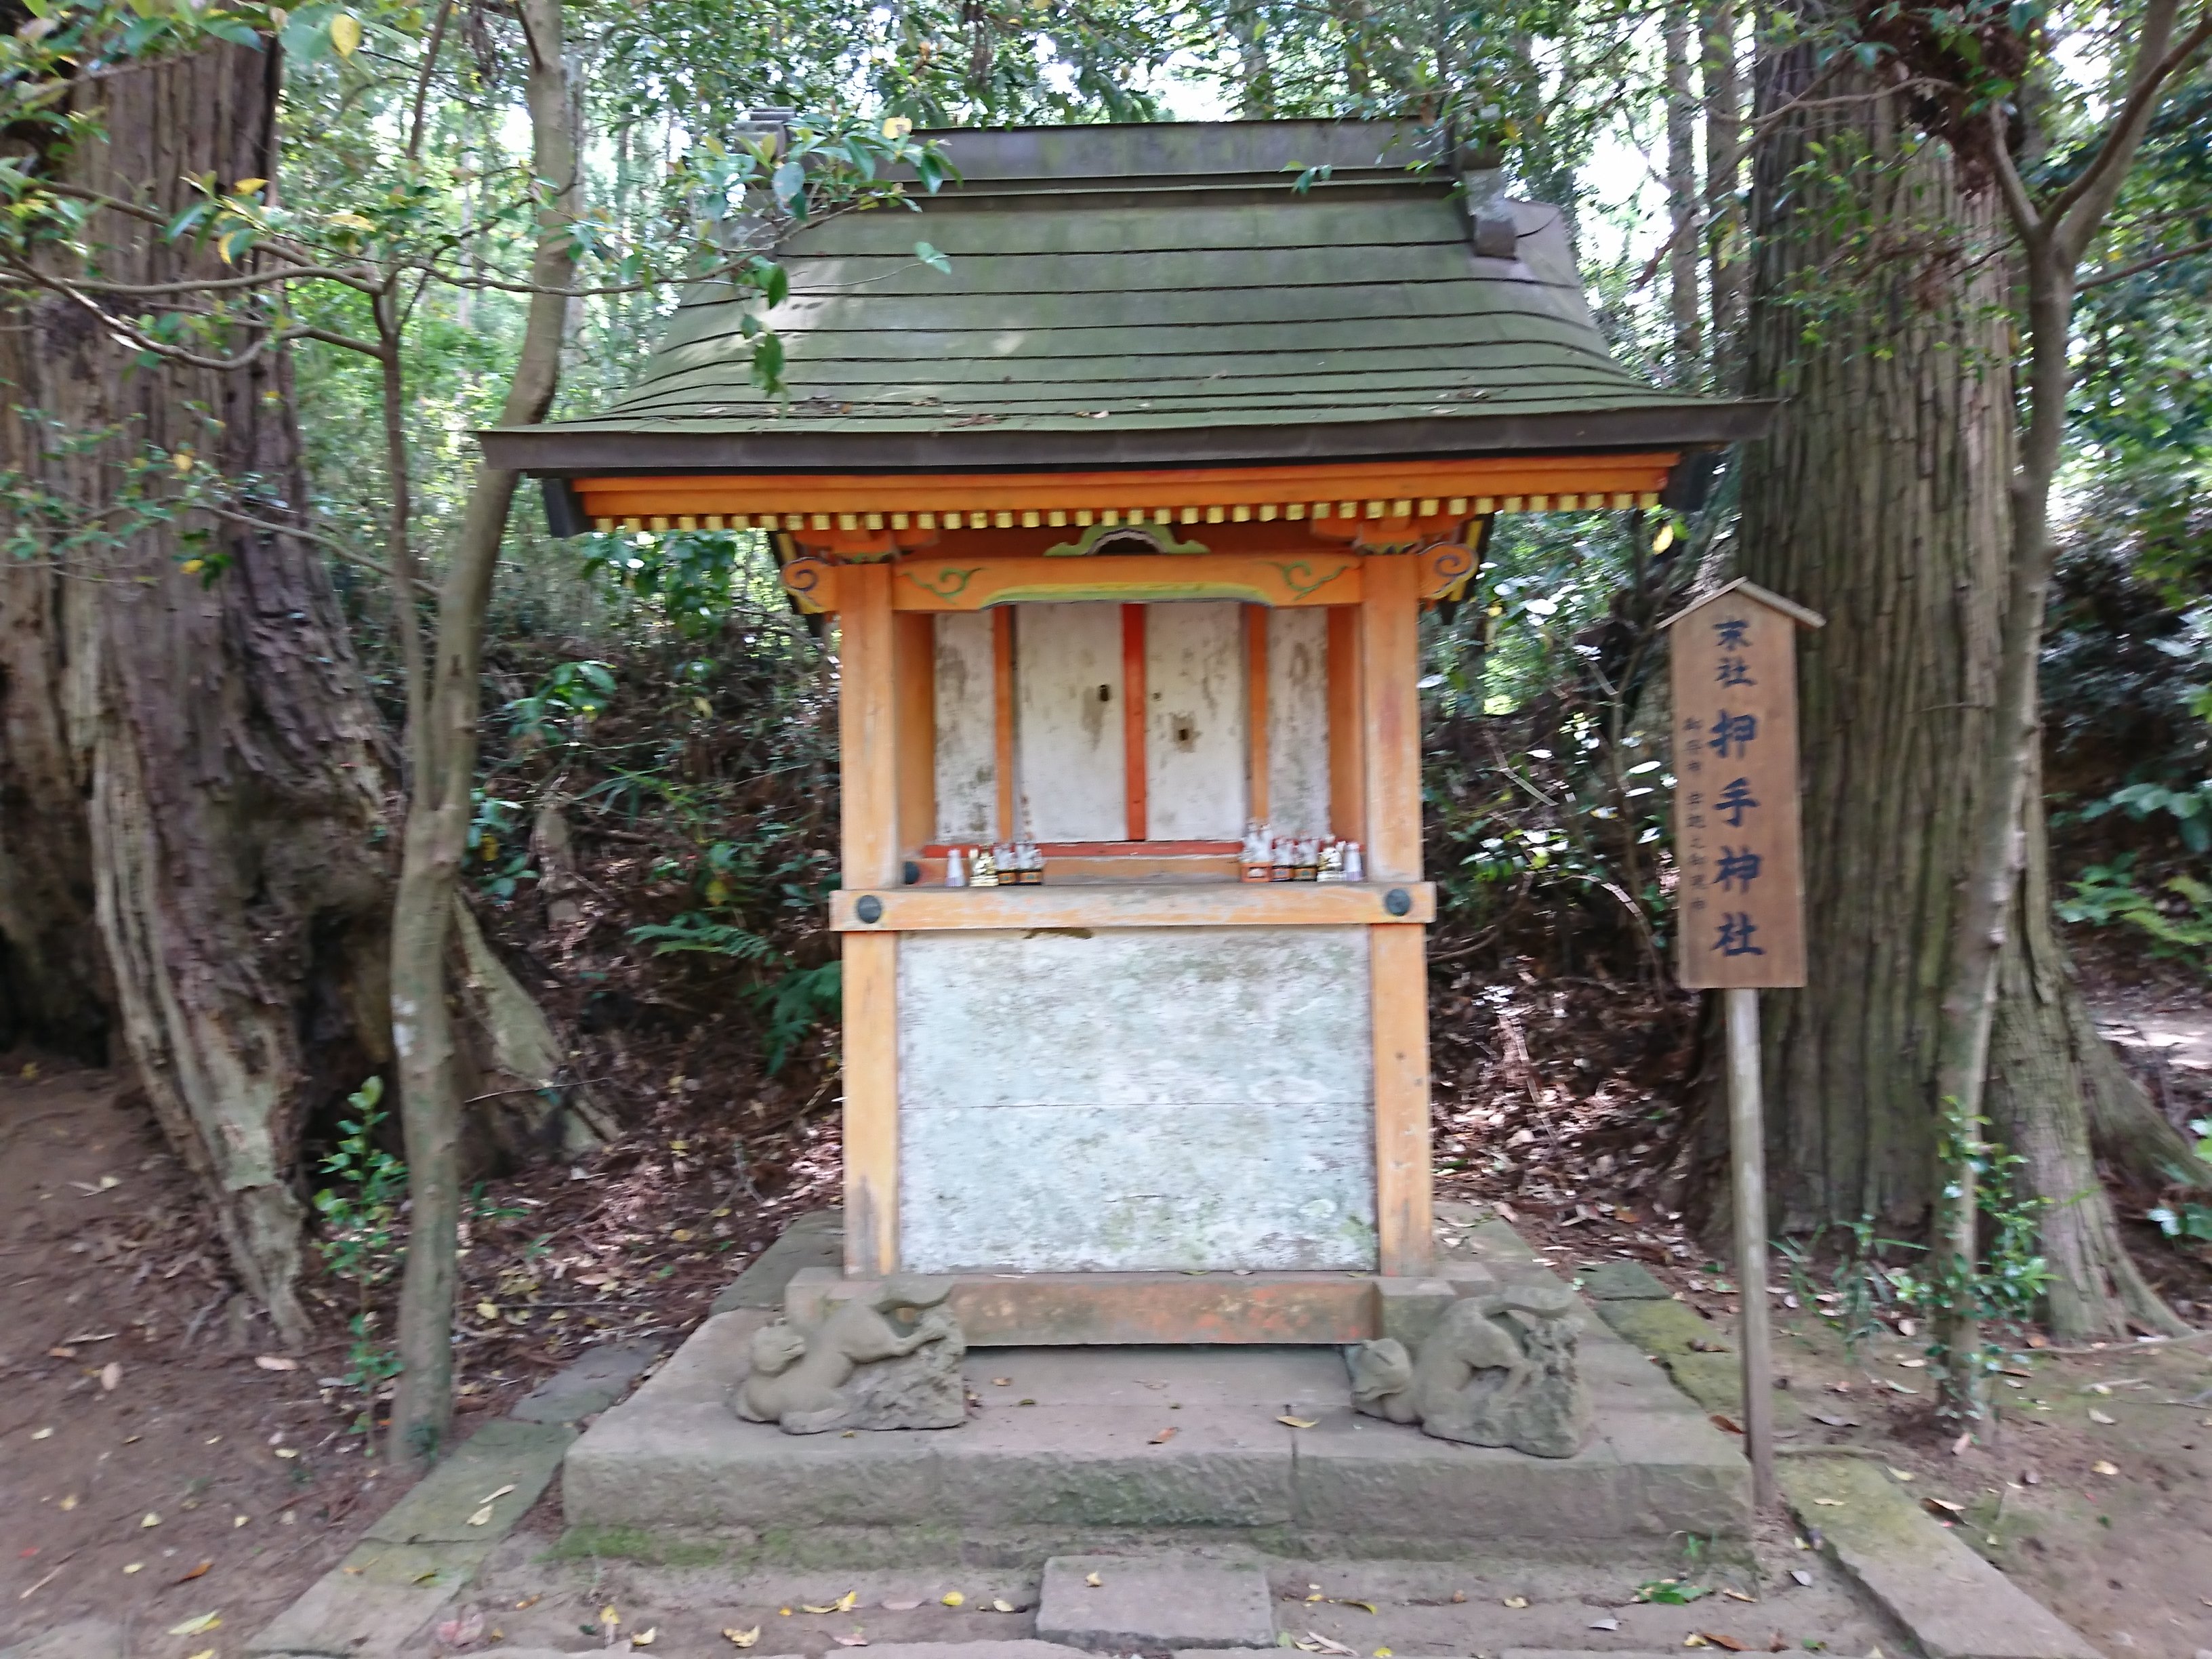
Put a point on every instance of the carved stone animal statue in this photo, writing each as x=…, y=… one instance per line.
x=856, y=1369
x=1498, y=1371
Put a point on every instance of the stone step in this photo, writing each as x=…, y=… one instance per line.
x=1123, y=1603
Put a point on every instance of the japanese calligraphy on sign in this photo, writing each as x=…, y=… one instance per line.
x=1741, y=897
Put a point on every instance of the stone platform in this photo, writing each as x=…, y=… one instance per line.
x=1070, y=1447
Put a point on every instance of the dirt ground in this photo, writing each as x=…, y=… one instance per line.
x=534, y=1597
x=131, y=1386
x=152, y=1469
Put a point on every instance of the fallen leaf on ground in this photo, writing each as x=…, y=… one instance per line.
x=855, y=1640
x=1298, y=1422
x=1727, y=1425
x=1833, y=1421
x=1002, y=1607
x=61, y=1353
x=188, y=1578
x=644, y=1638
x=742, y=1639
x=1738, y=1595
x=1093, y=1580
x=42, y=1434
x=2101, y=1466
x=458, y=1632
x=952, y=1598
x=1728, y=1642
x=1694, y=1640
x=136, y=1566
x=1943, y=1506
x=1164, y=1437
x=275, y=1362
x=111, y=1378
x=2096, y=1416
x=151, y=1520
x=609, y=1617
x=901, y=1603
x=482, y=1517
x=1959, y=1446
x=1900, y=1474
x=1804, y=1578
x=1459, y=1595
x=199, y=1627
x=528, y=1602
x=1002, y=1381
x=827, y=1606
x=1607, y=1623
x=1327, y=1646
x=1516, y=1601
x=494, y=1497
x=1830, y=1503
x=1368, y=1607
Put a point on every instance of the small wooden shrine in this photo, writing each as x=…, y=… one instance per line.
x=1127, y=521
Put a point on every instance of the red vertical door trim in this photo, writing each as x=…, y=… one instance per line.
x=1132, y=719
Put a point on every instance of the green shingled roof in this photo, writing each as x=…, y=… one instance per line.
x=1131, y=295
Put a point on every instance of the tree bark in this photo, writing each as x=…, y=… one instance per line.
x=1883, y=501
x=191, y=796
x=1683, y=305
x=438, y=814
x=1725, y=268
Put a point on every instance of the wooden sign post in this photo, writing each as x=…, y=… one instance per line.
x=1740, y=897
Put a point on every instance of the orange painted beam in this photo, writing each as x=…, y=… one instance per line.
x=1115, y=904
x=1338, y=483
x=1324, y=576
x=1133, y=783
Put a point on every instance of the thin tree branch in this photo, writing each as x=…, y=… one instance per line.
x=2018, y=203
x=430, y=50
x=223, y=284
x=2141, y=265
x=2077, y=211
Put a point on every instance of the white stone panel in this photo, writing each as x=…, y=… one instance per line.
x=967, y=729
x=1068, y=747
x=1152, y=1099
x=1298, y=721
x=1196, y=715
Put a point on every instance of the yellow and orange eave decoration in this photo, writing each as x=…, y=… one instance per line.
x=860, y=515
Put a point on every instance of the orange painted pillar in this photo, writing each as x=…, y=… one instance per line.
x=867, y=731
x=1388, y=668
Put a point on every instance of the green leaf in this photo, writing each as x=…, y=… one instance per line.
x=929, y=257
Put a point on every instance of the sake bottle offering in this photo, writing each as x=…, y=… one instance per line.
x=1308, y=860
x=1355, y=867
x=1252, y=862
x=955, y=874
x=1282, y=861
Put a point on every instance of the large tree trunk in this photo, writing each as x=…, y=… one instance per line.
x=203, y=762
x=1881, y=502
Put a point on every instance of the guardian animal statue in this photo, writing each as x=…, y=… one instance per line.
x=1499, y=1370
x=857, y=1369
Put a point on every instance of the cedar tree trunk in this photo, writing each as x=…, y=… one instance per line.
x=191, y=797
x=1881, y=502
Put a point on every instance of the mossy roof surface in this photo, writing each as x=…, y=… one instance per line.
x=1147, y=294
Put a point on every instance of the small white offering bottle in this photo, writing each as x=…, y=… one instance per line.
x=955, y=873
x=1355, y=866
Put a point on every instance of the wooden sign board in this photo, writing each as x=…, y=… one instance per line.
x=1740, y=896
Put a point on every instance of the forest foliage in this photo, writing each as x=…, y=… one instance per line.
x=652, y=825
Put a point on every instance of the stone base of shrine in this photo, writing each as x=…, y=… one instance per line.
x=1081, y=1447
x=1126, y=1309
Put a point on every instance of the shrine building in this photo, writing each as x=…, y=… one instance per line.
x=1126, y=521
